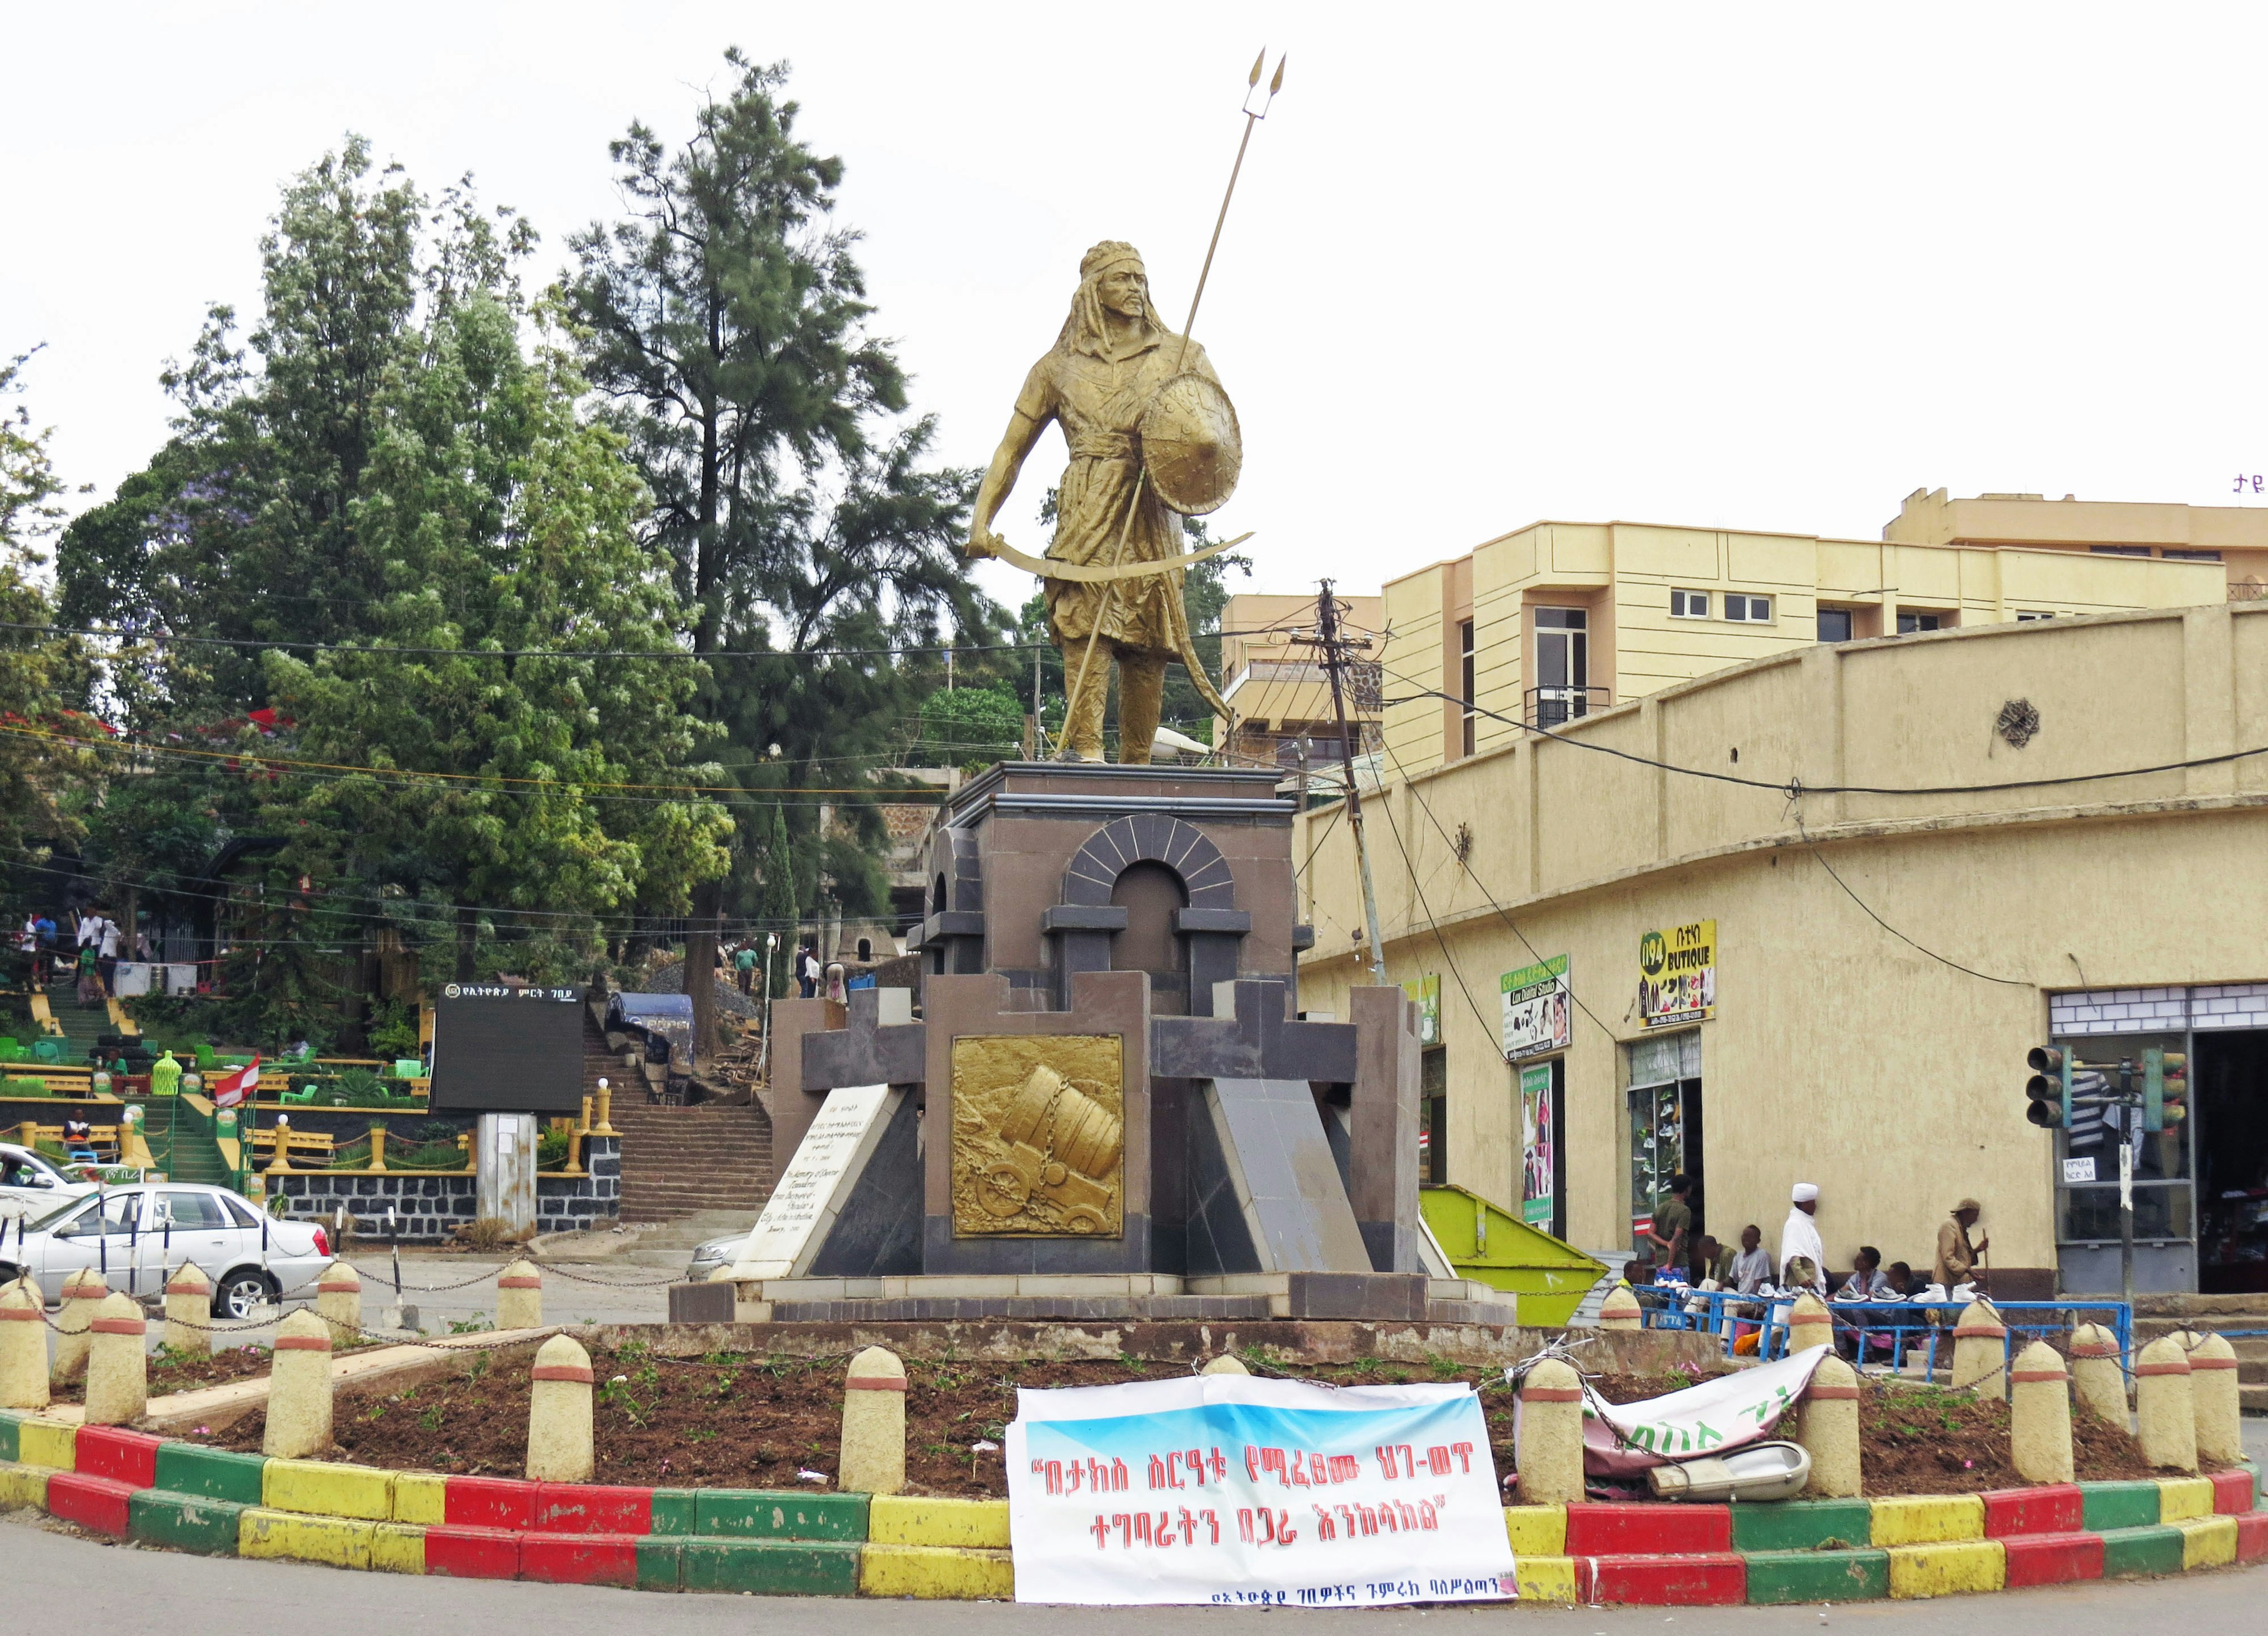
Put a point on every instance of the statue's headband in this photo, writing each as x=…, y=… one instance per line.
x=1108, y=256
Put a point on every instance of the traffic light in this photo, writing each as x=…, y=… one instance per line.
x=2165, y=1089
x=2048, y=1089
x=2069, y=1095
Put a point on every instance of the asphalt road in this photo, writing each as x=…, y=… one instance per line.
x=105, y=1587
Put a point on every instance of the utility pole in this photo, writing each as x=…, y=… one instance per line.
x=1329, y=641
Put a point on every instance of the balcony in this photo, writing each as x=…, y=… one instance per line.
x=1554, y=707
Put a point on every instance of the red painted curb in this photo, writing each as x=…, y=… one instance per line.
x=123, y=1456
x=2252, y=1537
x=472, y=1552
x=95, y=1502
x=1635, y=1530
x=592, y=1509
x=490, y=1502
x=580, y=1558
x=2052, y=1559
x=2232, y=1491
x=1716, y=1580
x=2054, y=1508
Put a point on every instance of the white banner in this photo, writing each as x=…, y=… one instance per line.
x=1720, y=1414
x=1231, y=1489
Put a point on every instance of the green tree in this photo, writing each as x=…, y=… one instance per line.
x=970, y=728
x=724, y=317
x=777, y=910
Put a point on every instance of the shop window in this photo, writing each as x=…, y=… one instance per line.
x=2087, y=1154
x=1688, y=604
x=1834, y=624
x=1434, y=1119
x=1664, y=1098
x=1754, y=610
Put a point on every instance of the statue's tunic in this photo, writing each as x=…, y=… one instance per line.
x=1099, y=401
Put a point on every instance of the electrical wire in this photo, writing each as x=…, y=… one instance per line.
x=1986, y=976
x=264, y=644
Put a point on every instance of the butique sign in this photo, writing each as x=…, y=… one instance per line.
x=1677, y=975
x=1535, y=1005
x=1229, y=1489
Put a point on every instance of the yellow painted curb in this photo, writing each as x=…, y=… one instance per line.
x=2181, y=1498
x=904, y=1519
x=1545, y=1579
x=23, y=1486
x=1948, y=1568
x=49, y=1444
x=320, y=1489
x=397, y=1548
x=944, y=1572
x=1537, y=1530
x=419, y=1497
x=1926, y=1519
x=342, y=1542
x=2207, y=1541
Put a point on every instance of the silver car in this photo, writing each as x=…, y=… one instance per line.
x=716, y=1252
x=33, y=1185
x=139, y=1236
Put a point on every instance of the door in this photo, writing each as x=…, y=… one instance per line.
x=183, y=1226
x=1665, y=1128
x=102, y=1237
x=1563, y=664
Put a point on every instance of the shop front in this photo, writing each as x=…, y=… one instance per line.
x=2200, y=1185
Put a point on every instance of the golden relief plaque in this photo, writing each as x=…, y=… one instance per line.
x=1038, y=1136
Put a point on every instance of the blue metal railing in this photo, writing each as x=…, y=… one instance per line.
x=1877, y=1331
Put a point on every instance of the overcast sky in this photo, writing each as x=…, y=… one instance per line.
x=1733, y=266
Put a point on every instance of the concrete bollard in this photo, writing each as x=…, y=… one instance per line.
x=2165, y=1410
x=1620, y=1310
x=117, y=1364
x=188, y=1310
x=1227, y=1363
x=82, y=1291
x=2216, y=1400
x=1808, y=1324
x=1548, y=1435
x=559, y=1441
x=1829, y=1429
x=338, y=1302
x=23, y=1347
x=2096, y=1373
x=299, y=1389
x=873, y=1424
x=2039, y=1430
x=520, y=1296
x=1980, y=1350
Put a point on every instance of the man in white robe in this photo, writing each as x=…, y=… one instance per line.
x=1800, y=1237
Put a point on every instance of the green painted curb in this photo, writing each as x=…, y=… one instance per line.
x=2111, y=1505
x=657, y=1562
x=1817, y=1575
x=211, y=1473
x=2253, y=1466
x=7, y=1437
x=2153, y=1550
x=760, y=1513
x=182, y=1521
x=768, y=1568
x=674, y=1510
x=1802, y=1524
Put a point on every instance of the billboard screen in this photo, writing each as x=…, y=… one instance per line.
x=505, y=1050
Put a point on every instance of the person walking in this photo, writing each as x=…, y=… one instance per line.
x=1799, y=1238
x=27, y=950
x=1956, y=1256
x=108, y=940
x=744, y=966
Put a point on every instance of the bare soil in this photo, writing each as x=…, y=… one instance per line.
x=170, y=1371
x=739, y=1420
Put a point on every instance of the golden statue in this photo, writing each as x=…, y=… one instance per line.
x=1153, y=439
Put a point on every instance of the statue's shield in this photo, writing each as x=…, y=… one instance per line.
x=1191, y=446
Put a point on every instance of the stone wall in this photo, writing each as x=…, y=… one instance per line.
x=427, y=1208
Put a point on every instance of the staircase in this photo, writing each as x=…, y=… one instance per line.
x=82, y=1025
x=680, y=1162
x=183, y=1148
x=2243, y=1318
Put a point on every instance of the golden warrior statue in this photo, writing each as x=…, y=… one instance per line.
x=1153, y=439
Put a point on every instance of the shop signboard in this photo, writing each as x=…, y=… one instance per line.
x=1426, y=992
x=1224, y=1489
x=1536, y=1005
x=1677, y=975
x=1537, y=1138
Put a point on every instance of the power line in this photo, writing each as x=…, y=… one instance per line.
x=1942, y=959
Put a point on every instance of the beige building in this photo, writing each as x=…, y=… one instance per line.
x=1833, y=973
x=1560, y=620
x=2235, y=536
x=1280, y=694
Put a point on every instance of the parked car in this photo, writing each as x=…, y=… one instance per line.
x=139, y=1236
x=716, y=1252
x=33, y=1185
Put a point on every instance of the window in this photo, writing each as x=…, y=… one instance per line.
x=1688, y=604
x=1433, y=1117
x=1465, y=684
x=188, y=1212
x=1563, y=666
x=2024, y=619
x=2192, y=557
x=2120, y=550
x=242, y=1211
x=1754, y=610
x=1912, y=624
x=1834, y=624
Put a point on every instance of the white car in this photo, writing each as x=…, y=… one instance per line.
x=138, y=1236
x=33, y=1185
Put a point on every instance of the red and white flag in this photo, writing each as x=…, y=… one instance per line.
x=237, y=1085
